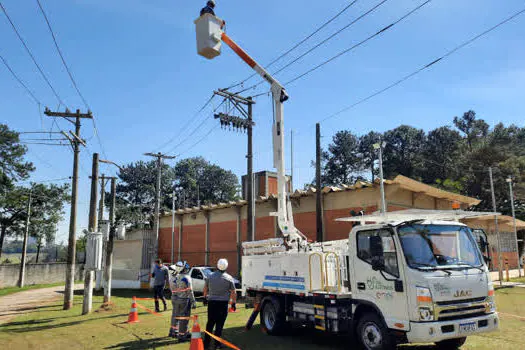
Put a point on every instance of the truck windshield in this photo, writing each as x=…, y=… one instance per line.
x=439, y=246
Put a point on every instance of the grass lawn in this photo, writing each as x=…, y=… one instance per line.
x=11, y=290
x=518, y=279
x=49, y=327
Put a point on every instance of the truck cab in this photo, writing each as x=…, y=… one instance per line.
x=426, y=280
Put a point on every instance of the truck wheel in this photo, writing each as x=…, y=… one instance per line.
x=451, y=343
x=373, y=334
x=273, y=320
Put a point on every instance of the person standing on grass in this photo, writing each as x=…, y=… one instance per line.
x=182, y=300
x=219, y=288
x=161, y=276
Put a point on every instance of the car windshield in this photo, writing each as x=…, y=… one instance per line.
x=208, y=271
x=435, y=246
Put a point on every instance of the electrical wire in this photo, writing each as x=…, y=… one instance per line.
x=319, y=44
x=298, y=44
x=406, y=77
x=30, y=54
x=200, y=140
x=37, y=101
x=187, y=124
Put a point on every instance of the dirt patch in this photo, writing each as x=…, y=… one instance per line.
x=17, y=304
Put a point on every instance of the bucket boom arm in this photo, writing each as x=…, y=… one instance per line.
x=284, y=214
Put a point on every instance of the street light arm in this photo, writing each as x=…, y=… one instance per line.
x=110, y=162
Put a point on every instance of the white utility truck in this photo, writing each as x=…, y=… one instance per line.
x=409, y=278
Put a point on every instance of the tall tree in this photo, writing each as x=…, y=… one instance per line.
x=13, y=166
x=367, y=153
x=475, y=130
x=341, y=162
x=441, y=152
x=403, y=152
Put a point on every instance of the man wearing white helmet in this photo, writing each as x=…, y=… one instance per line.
x=182, y=299
x=219, y=288
x=210, y=5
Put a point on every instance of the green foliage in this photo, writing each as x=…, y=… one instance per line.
x=13, y=167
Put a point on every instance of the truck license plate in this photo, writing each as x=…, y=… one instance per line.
x=467, y=327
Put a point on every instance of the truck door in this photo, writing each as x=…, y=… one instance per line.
x=384, y=288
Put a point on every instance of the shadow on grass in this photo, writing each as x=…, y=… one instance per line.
x=52, y=326
x=144, y=343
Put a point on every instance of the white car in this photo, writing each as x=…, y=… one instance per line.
x=200, y=273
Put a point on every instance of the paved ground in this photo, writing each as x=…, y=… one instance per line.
x=15, y=304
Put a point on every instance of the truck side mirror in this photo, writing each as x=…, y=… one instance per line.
x=376, y=250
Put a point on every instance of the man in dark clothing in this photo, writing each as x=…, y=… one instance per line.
x=161, y=276
x=219, y=289
x=210, y=5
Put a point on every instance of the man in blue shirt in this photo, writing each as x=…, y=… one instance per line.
x=161, y=276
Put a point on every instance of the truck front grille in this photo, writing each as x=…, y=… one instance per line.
x=459, y=309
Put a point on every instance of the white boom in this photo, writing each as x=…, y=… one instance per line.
x=293, y=237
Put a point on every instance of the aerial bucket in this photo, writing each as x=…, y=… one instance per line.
x=208, y=29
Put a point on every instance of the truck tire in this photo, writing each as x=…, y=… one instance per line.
x=272, y=318
x=372, y=333
x=451, y=343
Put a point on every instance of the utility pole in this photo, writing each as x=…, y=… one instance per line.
x=291, y=160
x=319, y=190
x=159, y=156
x=509, y=180
x=173, y=197
x=109, y=247
x=240, y=123
x=379, y=146
x=102, y=199
x=76, y=141
x=21, y=277
x=500, y=260
x=92, y=227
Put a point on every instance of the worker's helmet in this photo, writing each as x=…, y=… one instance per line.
x=179, y=266
x=211, y=3
x=222, y=264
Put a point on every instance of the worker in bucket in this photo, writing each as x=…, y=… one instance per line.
x=219, y=288
x=161, y=277
x=210, y=5
x=183, y=301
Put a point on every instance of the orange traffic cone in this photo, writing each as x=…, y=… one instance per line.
x=230, y=309
x=133, y=314
x=196, y=339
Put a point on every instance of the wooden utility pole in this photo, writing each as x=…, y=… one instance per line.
x=159, y=156
x=319, y=189
x=92, y=227
x=76, y=141
x=109, y=247
x=21, y=276
x=247, y=124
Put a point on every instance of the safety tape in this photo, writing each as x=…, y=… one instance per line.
x=148, y=310
x=143, y=298
x=227, y=343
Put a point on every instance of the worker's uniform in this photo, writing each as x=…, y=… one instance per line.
x=220, y=285
x=207, y=9
x=161, y=276
x=182, y=300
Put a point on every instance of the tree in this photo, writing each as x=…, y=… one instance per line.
x=441, y=153
x=342, y=159
x=13, y=167
x=202, y=181
x=474, y=129
x=46, y=210
x=403, y=152
x=367, y=153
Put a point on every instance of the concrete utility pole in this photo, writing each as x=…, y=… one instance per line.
x=379, y=146
x=109, y=247
x=319, y=212
x=21, y=276
x=102, y=199
x=92, y=227
x=247, y=124
x=291, y=161
x=509, y=180
x=76, y=141
x=173, y=198
x=500, y=259
x=159, y=156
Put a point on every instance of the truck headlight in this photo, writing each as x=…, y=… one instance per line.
x=490, y=306
x=425, y=306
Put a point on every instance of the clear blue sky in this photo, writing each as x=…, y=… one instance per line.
x=135, y=62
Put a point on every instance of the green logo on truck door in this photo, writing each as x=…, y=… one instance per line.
x=373, y=283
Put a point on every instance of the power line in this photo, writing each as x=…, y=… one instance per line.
x=298, y=44
x=31, y=54
x=320, y=43
x=62, y=56
x=457, y=48
x=187, y=124
x=359, y=43
x=37, y=101
x=200, y=140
